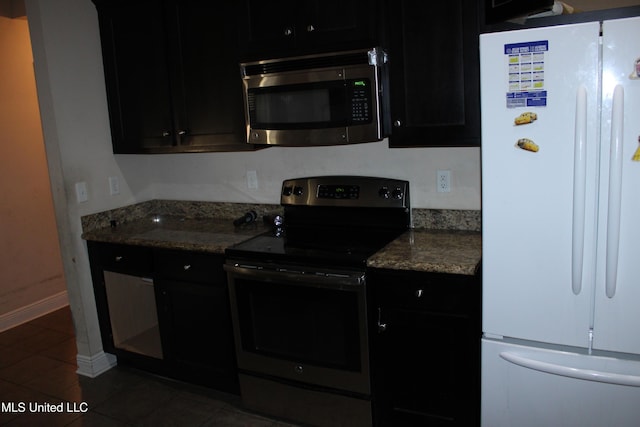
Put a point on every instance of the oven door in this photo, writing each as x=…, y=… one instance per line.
x=302, y=326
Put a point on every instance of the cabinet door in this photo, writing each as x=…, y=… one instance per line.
x=337, y=24
x=425, y=348
x=267, y=28
x=498, y=11
x=197, y=328
x=207, y=89
x=289, y=28
x=434, y=73
x=427, y=370
x=172, y=75
x=137, y=79
x=195, y=317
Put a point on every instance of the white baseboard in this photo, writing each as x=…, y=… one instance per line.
x=33, y=311
x=95, y=365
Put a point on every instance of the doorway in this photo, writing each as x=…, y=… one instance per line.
x=32, y=281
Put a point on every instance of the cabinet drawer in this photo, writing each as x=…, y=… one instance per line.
x=190, y=266
x=129, y=259
x=447, y=294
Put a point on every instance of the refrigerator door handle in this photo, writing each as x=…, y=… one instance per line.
x=615, y=191
x=571, y=372
x=579, y=190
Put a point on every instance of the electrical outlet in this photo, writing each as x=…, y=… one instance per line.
x=252, y=180
x=114, y=185
x=443, y=181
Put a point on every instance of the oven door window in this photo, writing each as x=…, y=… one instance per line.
x=300, y=323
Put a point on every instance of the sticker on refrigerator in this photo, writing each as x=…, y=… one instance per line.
x=526, y=67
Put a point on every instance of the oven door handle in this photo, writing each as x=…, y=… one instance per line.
x=311, y=278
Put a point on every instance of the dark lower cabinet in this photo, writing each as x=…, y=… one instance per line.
x=196, y=319
x=166, y=312
x=425, y=345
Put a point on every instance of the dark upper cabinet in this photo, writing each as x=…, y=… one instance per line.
x=434, y=72
x=288, y=28
x=498, y=11
x=172, y=76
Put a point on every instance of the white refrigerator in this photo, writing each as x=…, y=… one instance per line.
x=561, y=225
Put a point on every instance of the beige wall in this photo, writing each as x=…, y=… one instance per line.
x=30, y=263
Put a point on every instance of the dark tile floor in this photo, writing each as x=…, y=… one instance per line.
x=38, y=366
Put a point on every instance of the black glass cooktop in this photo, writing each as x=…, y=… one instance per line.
x=319, y=246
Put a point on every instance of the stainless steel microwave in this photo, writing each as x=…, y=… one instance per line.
x=323, y=99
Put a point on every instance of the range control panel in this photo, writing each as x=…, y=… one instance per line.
x=351, y=191
x=338, y=192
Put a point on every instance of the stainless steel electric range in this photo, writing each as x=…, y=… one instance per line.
x=298, y=298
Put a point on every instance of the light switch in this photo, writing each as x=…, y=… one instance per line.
x=252, y=180
x=114, y=185
x=81, y=192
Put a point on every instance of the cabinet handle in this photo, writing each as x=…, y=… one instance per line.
x=397, y=123
x=382, y=327
x=166, y=133
x=182, y=132
x=186, y=267
x=118, y=258
x=288, y=31
x=310, y=28
x=419, y=293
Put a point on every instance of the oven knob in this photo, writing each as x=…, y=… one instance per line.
x=286, y=191
x=383, y=192
x=297, y=190
x=397, y=194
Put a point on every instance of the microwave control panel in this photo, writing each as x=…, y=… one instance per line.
x=360, y=93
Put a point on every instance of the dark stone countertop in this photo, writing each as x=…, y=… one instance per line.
x=169, y=232
x=208, y=227
x=435, y=251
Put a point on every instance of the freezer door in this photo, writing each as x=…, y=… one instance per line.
x=617, y=312
x=538, y=268
x=532, y=387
